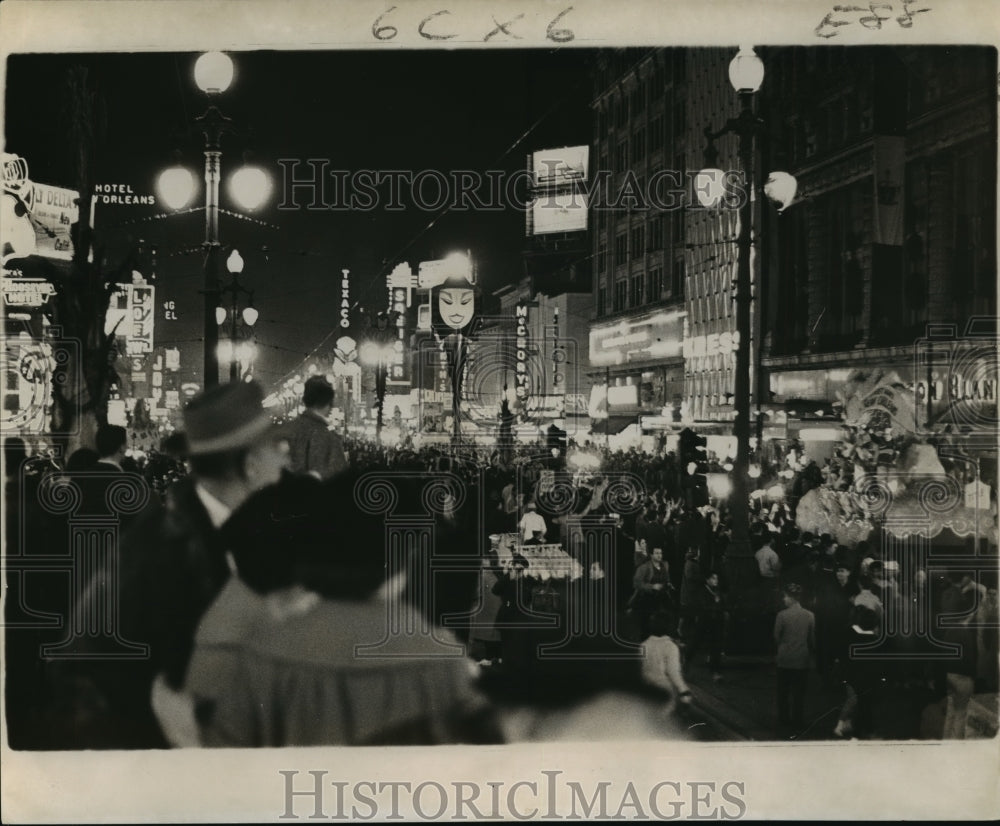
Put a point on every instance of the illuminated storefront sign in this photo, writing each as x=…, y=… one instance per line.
x=649, y=338
x=398, y=303
x=521, y=366
x=141, y=300
x=54, y=210
x=713, y=344
x=443, y=384
x=558, y=352
x=957, y=388
x=36, y=217
x=345, y=299
x=26, y=292
x=626, y=395
x=620, y=341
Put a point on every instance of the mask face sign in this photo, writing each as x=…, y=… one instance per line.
x=456, y=306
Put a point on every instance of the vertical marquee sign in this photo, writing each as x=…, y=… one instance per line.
x=345, y=299
x=522, y=383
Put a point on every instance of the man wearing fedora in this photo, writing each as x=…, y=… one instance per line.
x=173, y=564
x=313, y=447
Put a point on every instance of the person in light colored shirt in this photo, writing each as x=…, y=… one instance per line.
x=768, y=562
x=531, y=523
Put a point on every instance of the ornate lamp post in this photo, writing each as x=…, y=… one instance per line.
x=248, y=315
x=746, y=74
x=378, y=354
x=213, y=73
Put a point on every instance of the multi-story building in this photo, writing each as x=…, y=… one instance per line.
x=893, y=229
x=891, y=248
x=638, y=241
x=535, y=347
x=710, y=332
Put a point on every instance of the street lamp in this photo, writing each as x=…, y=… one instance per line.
x=242, y=352
x=746, y=74
x=379, y=355
x=213, y=73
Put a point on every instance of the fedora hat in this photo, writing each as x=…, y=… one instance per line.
x=227, y=417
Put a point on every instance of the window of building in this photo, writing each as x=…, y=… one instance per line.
x=638, y=99
x=635, y=291
x=655, y=84
x=621, y=295
x=654, y=286
x=602, y=301
x=638, y=145
x=677, y=280
x=850, y=116
x=621, y=112
x=842, y=282
x=602, y=258
x=973, y=233
x=680, y=164
x=654, y=236
x=637, y=199
x=621, y=156
x=638, y=241
x=677, y=228
x=865, y=111
x=656, y=134
x=621, y=249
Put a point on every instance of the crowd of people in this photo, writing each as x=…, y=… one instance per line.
x=244, y=598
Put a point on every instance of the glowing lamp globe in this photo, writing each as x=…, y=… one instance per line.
x=250, y=187
x=246, y=352
x=781, y=187
x=235, y=262
x=458, y=266
x=369, y=353
x=213, y=72
x=746, y=70
x=220, y=315
x=175, y=187
x=709, y=186
x=250, y=315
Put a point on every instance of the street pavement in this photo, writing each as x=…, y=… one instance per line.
x=743, y=702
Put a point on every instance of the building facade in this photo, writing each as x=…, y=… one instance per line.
x=888, y=260
x=638, y=236
x=888, y=249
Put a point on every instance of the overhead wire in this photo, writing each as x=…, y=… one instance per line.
x=395, y=258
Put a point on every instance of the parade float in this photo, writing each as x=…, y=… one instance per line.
x=891, y=472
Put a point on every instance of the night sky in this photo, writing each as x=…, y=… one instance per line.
x=409, y=110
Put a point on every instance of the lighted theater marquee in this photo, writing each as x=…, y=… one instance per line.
x=633, y=341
